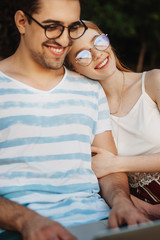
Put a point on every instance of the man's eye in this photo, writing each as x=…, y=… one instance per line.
x=52, y=27
x=75, y=27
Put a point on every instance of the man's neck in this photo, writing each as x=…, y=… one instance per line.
x=31, y=74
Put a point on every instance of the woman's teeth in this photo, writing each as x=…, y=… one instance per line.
x=103, y=63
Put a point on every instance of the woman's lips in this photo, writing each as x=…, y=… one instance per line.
x=102, y=64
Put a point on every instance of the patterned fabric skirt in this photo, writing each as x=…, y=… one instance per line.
x=149, y=193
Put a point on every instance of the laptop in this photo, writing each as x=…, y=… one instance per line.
x=99, y=231
x=146, y=231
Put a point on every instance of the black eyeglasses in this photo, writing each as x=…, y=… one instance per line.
x=55, y=30
x=84, y=57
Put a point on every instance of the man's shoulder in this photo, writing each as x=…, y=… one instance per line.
x=2, y=65
x=82, y=79
x=5, y=65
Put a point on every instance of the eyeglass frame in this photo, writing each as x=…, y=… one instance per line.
x=77, y=62
x=63, y=27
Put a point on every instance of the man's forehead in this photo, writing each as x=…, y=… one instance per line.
x=57, y=7
x=58, y=1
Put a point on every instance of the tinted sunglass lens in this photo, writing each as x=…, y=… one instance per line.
x=101, y=42
x=84, y=58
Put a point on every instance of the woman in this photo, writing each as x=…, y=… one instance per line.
x=134, y=102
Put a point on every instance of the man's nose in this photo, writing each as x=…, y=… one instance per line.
x=64, y=40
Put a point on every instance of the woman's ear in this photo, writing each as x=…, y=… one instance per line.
x=20, y=21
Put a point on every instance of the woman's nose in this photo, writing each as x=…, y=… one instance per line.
x=96, y=54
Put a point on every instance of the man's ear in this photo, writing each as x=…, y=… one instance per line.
x=20, y=21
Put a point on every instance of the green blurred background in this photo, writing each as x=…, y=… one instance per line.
x=133, y=27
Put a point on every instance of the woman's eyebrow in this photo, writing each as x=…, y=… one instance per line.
x=91, y=41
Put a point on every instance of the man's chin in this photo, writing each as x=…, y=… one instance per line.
x=54, y=66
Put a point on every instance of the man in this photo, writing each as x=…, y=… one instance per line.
x=49, y=118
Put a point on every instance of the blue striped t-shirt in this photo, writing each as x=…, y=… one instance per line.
x=45, y=154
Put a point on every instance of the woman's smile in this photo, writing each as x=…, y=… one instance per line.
x=103, y=63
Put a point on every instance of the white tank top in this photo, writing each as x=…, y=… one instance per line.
x=138, y=133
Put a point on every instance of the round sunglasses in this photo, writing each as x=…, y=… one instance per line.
x=84, y=57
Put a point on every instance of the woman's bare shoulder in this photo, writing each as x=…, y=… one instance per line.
x=153, y=74
x=152, y=83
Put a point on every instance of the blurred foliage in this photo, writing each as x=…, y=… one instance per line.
x=9, y=35
x=133, y=28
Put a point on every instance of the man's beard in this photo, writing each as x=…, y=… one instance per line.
x=48, y=63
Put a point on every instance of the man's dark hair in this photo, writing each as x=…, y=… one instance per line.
x=29, y=6
x=10, y=36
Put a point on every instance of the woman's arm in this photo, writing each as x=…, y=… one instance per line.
x=104, y=163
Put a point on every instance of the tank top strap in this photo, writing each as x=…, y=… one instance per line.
x=143, y=82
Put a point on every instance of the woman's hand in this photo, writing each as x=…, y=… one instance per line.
x=150, y=210
x=104, y=162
